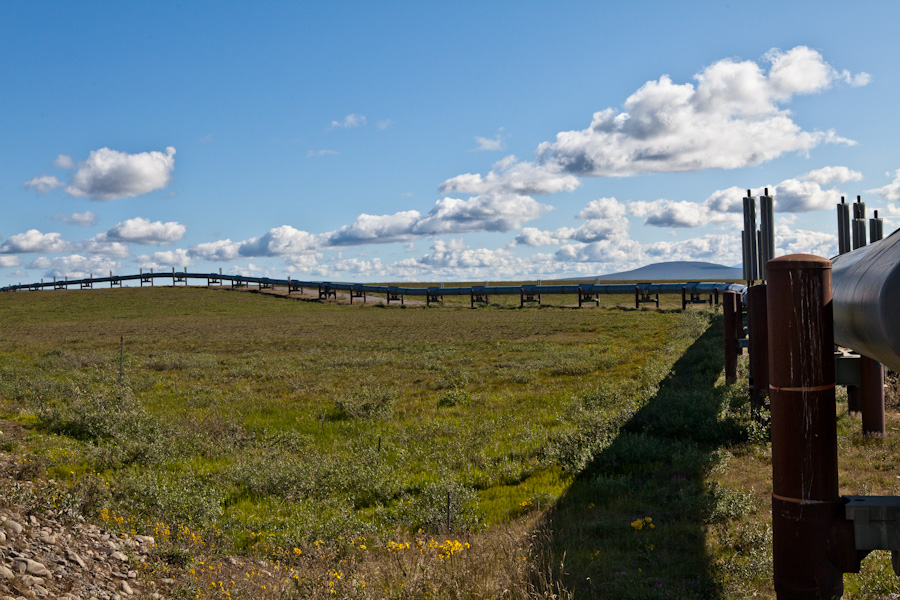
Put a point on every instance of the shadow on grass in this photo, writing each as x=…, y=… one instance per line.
x=633, y=523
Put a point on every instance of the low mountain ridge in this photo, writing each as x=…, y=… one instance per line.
x=680, y=270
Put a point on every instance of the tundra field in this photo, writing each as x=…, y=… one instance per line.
x=373, y=451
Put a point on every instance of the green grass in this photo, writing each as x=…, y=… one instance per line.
x=318, y=435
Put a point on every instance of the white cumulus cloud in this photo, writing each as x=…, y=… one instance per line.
x=731, y=116
x=75, y=266
x=8, y=260
x=99, y=245
x=110, y=174
x=723, y=249
x=486, y=212
x=618, y=253
x=829, y=175
x=795, y=195
x=220, y=250
x=84, y=219
x=789, y=240
x=510, y=175
x=792, y=195
x=604, y=219
x=43, y=183
x=279, y=241
x=35, y=241
x=142, y=231
x=165, y=259
x=667, y=213
x=890, y=191
x=350, y=121
x=489, y=144
x=63, y=161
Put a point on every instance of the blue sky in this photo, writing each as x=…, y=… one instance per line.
x=426, y=141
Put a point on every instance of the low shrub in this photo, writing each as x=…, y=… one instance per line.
x=366, y=403
x=429, y=510
x=454, y=397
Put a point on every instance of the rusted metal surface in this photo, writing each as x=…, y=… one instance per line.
x=854, y=395
x=759, y=346
x=731, y=302
x=805, y=499
x=872, y=396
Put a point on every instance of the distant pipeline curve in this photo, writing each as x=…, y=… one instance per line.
x=692, y=292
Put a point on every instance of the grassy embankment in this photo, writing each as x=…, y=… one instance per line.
x=593, y=452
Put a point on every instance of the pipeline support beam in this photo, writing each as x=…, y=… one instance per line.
x=812, y=541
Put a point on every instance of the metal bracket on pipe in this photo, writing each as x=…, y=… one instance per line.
x=326, y=291
x=477, y=298
x=643, y=296
x=876, y=524
x=847, y=368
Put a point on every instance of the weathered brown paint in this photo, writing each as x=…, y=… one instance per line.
x=854, y=404
x=805, y=499
x=730, y=313
x=872, y=396
x=759, y=346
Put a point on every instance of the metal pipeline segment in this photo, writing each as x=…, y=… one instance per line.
x=866, y=292
x=561, y=289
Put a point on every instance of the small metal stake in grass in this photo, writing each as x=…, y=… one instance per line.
x=121, y=359
x=448, y=511
x=379, y=444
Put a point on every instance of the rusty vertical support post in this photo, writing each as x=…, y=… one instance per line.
x=854, y=404
x=871, y=390
x=729, y=314
x=683, y=298
x=806, y=504
x=716, y=294
x=759, y=347
x=637, y=298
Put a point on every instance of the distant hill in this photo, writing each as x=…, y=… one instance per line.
x=680, y=270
